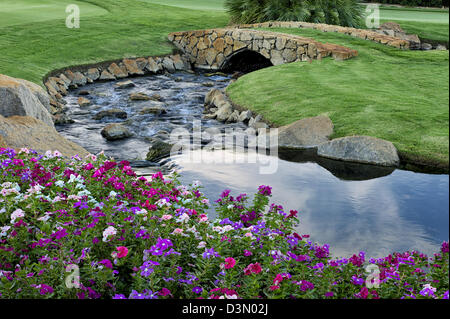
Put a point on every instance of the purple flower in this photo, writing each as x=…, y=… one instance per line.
x=210, y=253
x=147, y=268
x=357, y=281
x=119, y=296
x=265, y=190
x=197, y=290
x=45, y=289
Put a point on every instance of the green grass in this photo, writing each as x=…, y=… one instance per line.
x=400, y=96
x=430, y=24
x=15, y=12
x=129, y=28
x=216, y=5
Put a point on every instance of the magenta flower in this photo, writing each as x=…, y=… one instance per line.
x=122, y=252
x=230, y=262
x=45, y=289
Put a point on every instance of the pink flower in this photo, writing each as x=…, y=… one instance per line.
x=122, y=251
x=253, y=268
x=274, y=288
x=278, y=279
x=177, y=231
x=230, y=262
x=247, y=253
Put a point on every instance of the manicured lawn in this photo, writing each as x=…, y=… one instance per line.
x=130, y=28
x=391, y=94
x=197, y=5
x=14, y=12
x=401, y=96
x=431, y=24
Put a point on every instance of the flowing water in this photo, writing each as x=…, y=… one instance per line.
x=351, y=207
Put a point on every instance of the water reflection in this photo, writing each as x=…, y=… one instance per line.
x=398, y=212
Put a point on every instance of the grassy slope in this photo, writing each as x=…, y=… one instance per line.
x=401, y=96
x=395, y=95
x=31, y=50
x=25, y=11
x=428, y=24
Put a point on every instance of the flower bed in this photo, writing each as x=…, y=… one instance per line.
x=130, y=237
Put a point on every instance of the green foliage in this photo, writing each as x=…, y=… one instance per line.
x=340, y=12
x=414, y=3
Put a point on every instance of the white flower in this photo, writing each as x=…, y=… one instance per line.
x=196, y=184
x=44, y=218
x=227, y=228
x=112, y=194
x=183, y=218
x=59, y=183
x=3, y=231
x=17, y=214
x=110, y=231
x=201, y=245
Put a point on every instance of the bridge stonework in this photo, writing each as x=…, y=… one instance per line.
x=211, y=49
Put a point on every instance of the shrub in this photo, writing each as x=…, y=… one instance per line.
x=340, y=12
x=414, y=3
x=133, y=237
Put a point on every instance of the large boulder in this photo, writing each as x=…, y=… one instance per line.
x=27, y=132
x=361, y=149
x=306, y=133
x=117, y=113
x=113, y=132
x=22, y=98
x=159, y=150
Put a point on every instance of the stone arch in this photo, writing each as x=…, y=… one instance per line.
x=245, y=60
x=208, y=49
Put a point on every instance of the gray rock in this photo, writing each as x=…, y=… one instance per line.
x=153, y=66
x=157, y=110
x=168, y=64
x=117, y=113
x=16, y=98
x=441, y=47
x=106, y=76
x=158, y=150
x=139, y=96
x=361, y=149
x=79, y=79
x=224, y=112
x=83, y=102
x=306, y=133
x=258, y=118
x=113, y=132
x=245, y=116
x=93, y=74
x=27, y=132
x=426, y=46
x=259, y=125
x=125, y=84
x=38, y=91
x=209, y=98
x=234, y=117
x=61, y=119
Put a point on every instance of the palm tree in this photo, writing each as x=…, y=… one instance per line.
x=339, y=12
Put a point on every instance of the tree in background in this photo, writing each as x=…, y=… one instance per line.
x=339, y=12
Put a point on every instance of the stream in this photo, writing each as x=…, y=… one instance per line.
x=352, y=207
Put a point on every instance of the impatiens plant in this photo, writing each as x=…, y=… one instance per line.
x=90, y=228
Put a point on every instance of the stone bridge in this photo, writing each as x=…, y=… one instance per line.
x=219, y=49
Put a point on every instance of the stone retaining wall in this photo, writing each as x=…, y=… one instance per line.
x=58, y=84
x=211, y=49
x=357, y=33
